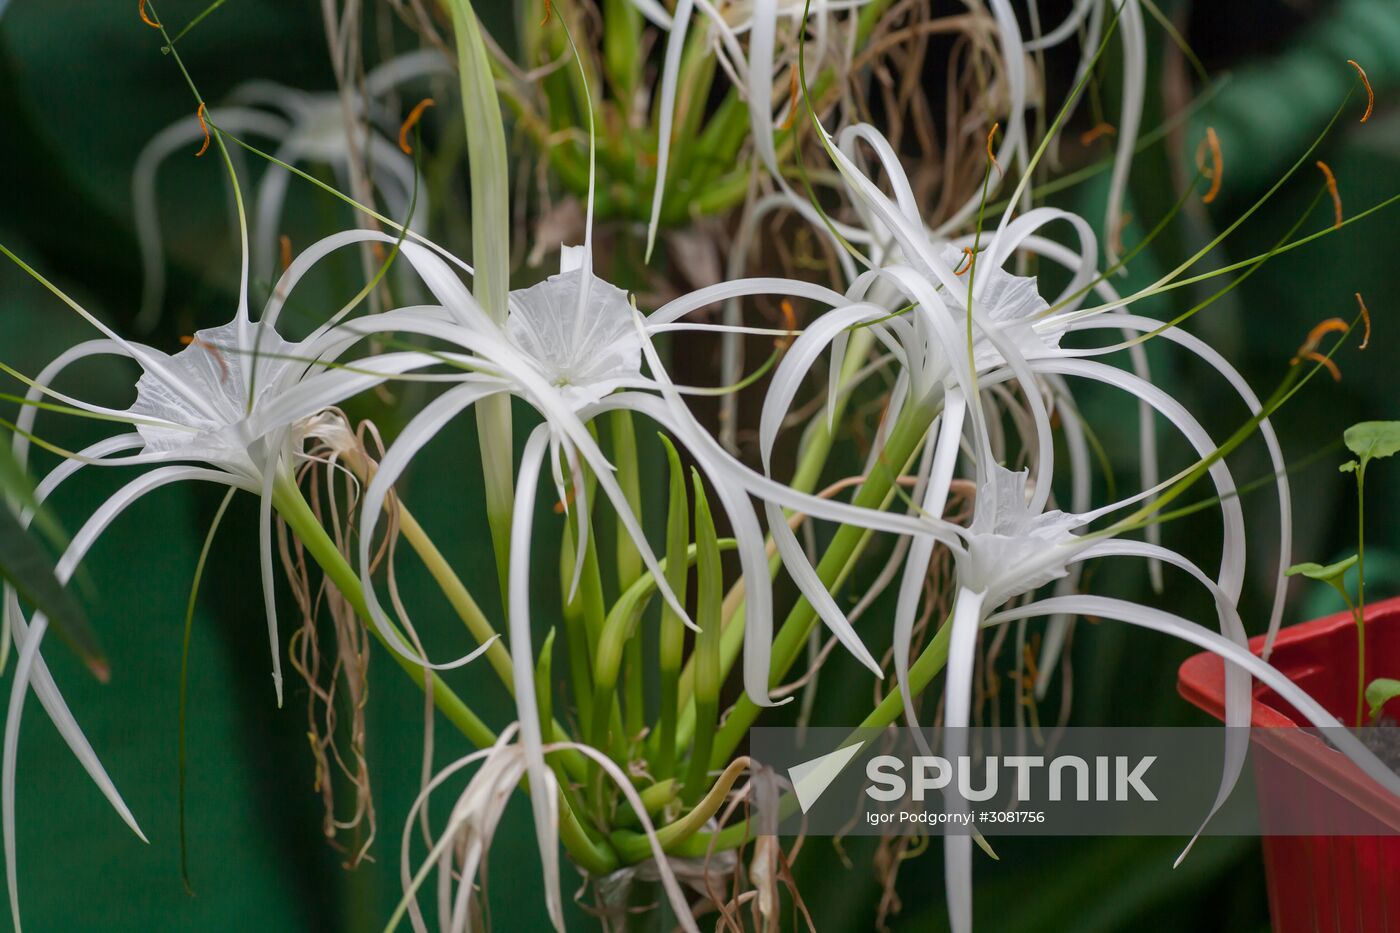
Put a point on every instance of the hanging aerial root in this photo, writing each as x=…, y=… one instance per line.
x=1366, y=319
x=1370, y=94
x=155, y=24
x=205, y=127
x=416, y=114
x=1089, y=136
x=1332, y=190
x=1217, y=163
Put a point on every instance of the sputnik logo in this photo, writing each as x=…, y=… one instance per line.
x=810, y=779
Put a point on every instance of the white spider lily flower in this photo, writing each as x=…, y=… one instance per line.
x=562, y=351
x=1011, y=551
x=310, y=128
x=1015, y=337
x=459, y=854
x=586, y=353
x=230, y=409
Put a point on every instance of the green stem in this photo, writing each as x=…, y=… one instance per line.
x=457, y=596
x=903, y=444
x=287, y=499
x=1360, y=611
x=697, y=845
x=292, y=507
x=629, y=561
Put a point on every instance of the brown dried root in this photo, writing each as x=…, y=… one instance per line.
x=336, y=672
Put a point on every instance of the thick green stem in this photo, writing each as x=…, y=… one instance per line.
x=672, y=636
x=629, y=561
x=709, y=587
x=458, y=596
x=903, y=444
x=815, y=450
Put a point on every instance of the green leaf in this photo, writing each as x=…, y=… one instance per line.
x=709, y=586
x=1373, y=440
x=544, y=691
x=1331, y=573
x=1348, y=467
x=1379, y=692
x=672, y=639
x=28, y=568
x=14, y=481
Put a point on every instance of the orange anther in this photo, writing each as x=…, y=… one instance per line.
x=992, y=158
x=792, y=99
x=1217, y=170
x=1370, y=94
x=414, y=116
x=1088, y=137
x=1332, y=325
x=1308, y=351
x=562, y=505
x=969, y=256
x=1325, y=361
x=1366, y=318
x=205, y=127
x=1332, y=190
x=1116, y=236
x=548, y=10
x=155, y=24
x=790, y=322
x=286, y=244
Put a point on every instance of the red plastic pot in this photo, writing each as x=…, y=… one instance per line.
x=1338, y=884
